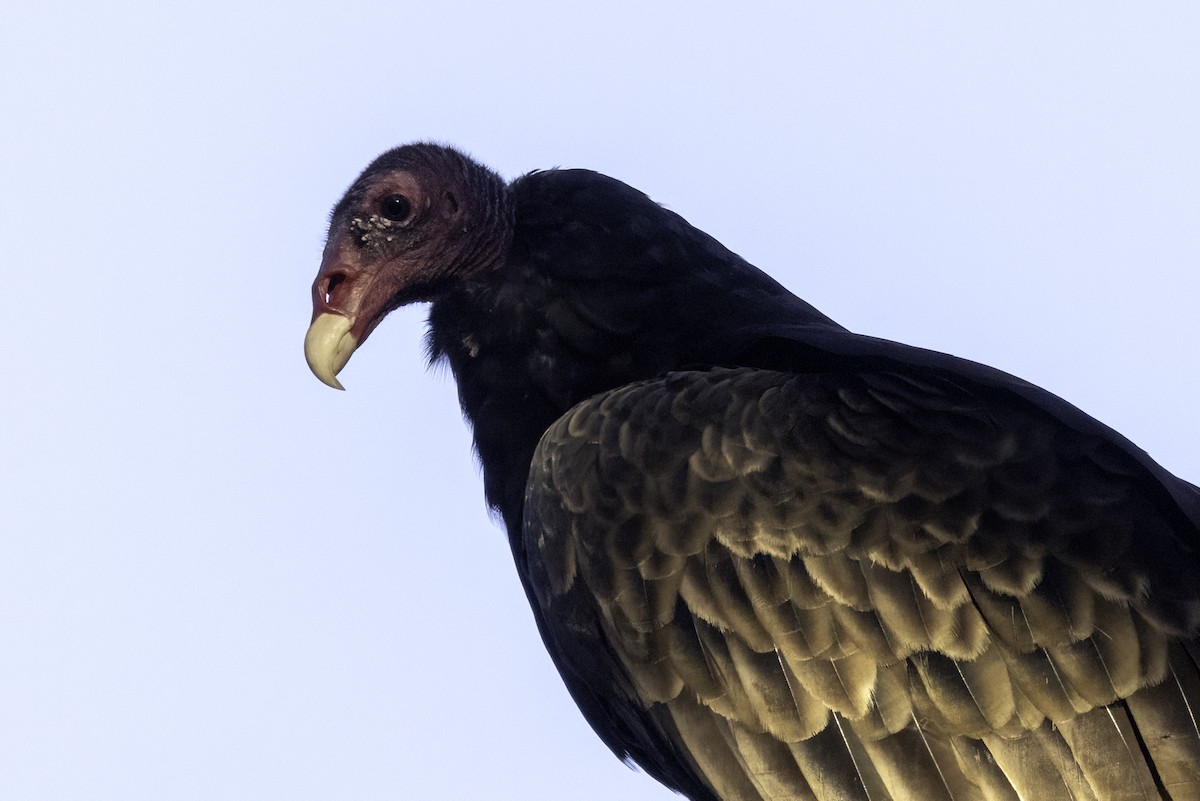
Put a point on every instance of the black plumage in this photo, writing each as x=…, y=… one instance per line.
x=773, y=559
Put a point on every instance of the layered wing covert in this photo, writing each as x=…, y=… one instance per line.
x=872, y=586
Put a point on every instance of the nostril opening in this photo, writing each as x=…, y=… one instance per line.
x=334, y=281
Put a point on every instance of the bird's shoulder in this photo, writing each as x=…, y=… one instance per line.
x=915, y=470
x=876, y=547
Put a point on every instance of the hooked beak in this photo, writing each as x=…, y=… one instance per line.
x=328, y=345
x=342, y=312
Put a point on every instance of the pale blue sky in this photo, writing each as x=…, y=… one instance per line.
x=221, y=580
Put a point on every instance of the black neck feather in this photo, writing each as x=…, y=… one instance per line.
x=600, y=287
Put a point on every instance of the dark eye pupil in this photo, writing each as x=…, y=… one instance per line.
x=395, y=208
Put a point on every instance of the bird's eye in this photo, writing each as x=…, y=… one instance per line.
x=395, y=208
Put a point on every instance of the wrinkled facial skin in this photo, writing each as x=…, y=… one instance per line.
x=390, y=240
x=419, y=218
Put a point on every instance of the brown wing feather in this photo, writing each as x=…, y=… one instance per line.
x=877, y=587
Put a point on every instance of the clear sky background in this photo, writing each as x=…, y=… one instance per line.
x=220, y=579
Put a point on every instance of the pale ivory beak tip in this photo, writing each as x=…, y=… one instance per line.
x=328, y=345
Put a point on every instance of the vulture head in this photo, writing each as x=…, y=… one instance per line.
x=418, y=218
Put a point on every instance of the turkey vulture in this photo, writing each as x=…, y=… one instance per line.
x=771, y=558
